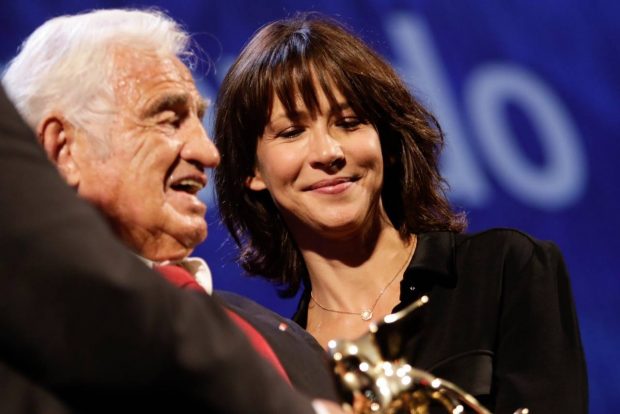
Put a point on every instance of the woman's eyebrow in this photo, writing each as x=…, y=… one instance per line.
x=340, y=107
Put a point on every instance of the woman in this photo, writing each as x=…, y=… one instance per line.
x=329, y=178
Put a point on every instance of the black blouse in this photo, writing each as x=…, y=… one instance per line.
x=500, y=323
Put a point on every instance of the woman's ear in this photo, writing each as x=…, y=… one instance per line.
x=255, y=182
x=57, y=136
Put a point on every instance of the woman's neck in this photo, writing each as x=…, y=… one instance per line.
x=356, y=285
x=350, y=274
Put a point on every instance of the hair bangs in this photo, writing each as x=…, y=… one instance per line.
x=298, y=87
x=291, y=76
x=299, y=67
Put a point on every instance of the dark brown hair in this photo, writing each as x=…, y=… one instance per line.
x=283, y=59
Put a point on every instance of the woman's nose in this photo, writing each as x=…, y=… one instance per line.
x=325, y=151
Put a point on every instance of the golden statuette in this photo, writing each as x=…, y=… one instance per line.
x=373, y=381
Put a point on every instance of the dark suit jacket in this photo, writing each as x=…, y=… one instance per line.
x=302, y=357
x=500, y=322
x=86, y=327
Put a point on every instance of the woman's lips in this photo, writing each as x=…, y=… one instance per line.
x=331, y=186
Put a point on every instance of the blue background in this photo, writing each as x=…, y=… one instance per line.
x=527, y=92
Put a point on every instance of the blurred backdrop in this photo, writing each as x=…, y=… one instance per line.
x=527, y=93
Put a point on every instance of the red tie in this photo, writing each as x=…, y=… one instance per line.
x=182, y=278
x=179, y=277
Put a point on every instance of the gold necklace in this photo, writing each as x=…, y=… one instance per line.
x=366, y=314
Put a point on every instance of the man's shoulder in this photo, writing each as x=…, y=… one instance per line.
x=247, y=307
x=278, y=329
x=11, y=122
x=235, y=300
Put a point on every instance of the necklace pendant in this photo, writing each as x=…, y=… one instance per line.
x=366, y=314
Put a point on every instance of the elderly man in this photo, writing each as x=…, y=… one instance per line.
x=86, y=327
x=118, y=113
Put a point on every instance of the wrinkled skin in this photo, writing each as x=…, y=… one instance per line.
x=156, y=150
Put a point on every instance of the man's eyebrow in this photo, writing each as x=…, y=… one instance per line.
x=168, y=102
x=171, y=102
x=201, y=107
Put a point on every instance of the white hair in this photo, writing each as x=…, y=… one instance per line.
x=66, y=63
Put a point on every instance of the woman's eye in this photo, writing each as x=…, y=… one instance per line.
x=350, y=123
x=290, y=133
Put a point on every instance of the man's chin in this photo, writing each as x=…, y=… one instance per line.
x=172, y=251
x=191, y=236
x=176, y=245
x=195, y=239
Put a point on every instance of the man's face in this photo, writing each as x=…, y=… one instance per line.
x=146, y=178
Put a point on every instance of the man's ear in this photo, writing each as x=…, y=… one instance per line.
x=255, y=182
x=57, y=135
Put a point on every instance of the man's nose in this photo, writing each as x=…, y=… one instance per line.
x=325, y=151
x=198, y=147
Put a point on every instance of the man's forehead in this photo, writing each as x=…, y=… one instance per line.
x=137, y=72
x=143, y=64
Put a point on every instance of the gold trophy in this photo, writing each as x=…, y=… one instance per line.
x=371, y=381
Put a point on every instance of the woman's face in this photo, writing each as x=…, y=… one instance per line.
x=324, y=174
